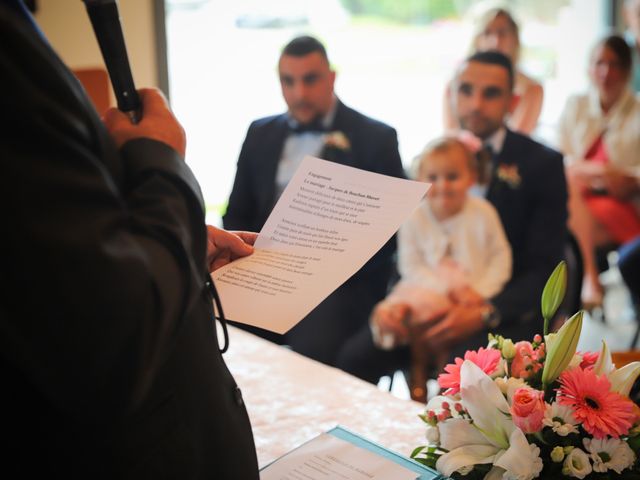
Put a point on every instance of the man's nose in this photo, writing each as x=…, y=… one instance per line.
x=299, y=90
x=476, y=100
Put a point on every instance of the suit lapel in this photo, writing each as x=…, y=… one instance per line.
x=270, y=160
x=341, y=123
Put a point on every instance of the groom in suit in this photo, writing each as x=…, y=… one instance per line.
x=528, y=188
x=316, y=123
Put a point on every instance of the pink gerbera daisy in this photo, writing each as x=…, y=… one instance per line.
x=600, y=411
x=486, y=359
x=589, y=359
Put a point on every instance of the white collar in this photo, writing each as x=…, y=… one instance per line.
x=496, y=140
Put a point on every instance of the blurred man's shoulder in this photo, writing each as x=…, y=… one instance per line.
x=530, y=150
x=357, y=117
x=268, y=122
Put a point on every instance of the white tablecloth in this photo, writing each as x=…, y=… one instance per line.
x=291, y=399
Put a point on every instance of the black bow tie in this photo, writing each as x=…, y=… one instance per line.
x=312, y=127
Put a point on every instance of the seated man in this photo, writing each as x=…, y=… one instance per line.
x=317, y=123
x=528, y=188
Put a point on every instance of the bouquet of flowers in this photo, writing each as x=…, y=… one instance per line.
x=535, y=409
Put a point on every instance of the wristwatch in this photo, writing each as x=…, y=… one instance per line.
x=490, y=316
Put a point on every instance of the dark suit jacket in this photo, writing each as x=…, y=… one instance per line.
x=533, y=211
x=374, y=147
x=108, y=353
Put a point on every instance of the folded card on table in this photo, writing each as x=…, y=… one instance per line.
x=344, y=455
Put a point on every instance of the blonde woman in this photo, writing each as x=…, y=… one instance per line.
x=497, y=30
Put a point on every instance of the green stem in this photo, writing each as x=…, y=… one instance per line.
x=545, y=330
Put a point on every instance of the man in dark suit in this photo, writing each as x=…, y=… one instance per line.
x=108, y=350
x=319, y=124
x=528, y=188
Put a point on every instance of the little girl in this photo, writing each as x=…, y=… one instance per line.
x=451, y=250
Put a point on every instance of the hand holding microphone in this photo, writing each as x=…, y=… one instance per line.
x=157, y=123
x=140, y=114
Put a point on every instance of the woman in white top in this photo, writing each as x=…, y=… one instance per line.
x=497, y=30
x=599, y=134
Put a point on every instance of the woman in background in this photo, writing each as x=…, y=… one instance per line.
x=497, y=30
x=599, y=134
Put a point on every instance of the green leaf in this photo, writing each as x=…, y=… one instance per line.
x=554, y=292
x=417, y=450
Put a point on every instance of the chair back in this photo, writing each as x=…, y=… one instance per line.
x=96, y=83
x=620, y=359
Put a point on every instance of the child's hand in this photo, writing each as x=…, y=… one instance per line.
x=388, y=323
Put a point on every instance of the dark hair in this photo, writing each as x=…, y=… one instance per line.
x=492, y=57
x=304, y=45
x=619, y=47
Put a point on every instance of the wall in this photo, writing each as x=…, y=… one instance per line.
x=67, y=26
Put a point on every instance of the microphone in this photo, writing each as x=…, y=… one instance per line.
x=105, y=20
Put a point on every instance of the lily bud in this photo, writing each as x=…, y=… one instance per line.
x=561, y=348
x=554, y=291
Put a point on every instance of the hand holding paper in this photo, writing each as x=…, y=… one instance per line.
x=328, y=222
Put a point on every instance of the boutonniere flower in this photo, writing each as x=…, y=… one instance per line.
x=337, y=140
x=510, y=175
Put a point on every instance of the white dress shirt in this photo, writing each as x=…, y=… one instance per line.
x=299, y=145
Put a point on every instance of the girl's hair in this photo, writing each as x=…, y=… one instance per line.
x=481, y=22
x=619, y=47
x=442, y=145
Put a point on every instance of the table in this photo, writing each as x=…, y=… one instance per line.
x=291, y=399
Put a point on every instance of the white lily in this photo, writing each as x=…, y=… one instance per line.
x=604, y=365
x=491, y=438
x=623, y=378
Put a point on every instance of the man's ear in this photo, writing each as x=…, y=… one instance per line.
x=513, y=103
x=332, y=78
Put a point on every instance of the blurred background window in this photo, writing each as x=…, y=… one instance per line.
x=393, y=58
